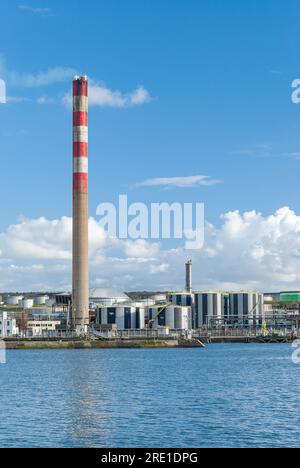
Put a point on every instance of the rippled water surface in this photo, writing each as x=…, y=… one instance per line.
x=221, y=396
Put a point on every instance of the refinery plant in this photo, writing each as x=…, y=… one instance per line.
x=187, y=313
x=86, y=313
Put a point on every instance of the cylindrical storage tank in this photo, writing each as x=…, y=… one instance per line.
x=108, y=301
x=125, y=317
x=181, y=299
x=208, y=306
x=139, y=318
x=40, y=300
x=173, y=317
x=159, y=319
x=290, y=296
x=13, y=300
x=26, y=303
x=246, y=306
x=182, y=318
x=170, y=316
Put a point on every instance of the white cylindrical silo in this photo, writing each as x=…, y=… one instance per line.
x=126, y=317
x=26, y=303
x=208, y=306
x=182, y=318
x=139, y=318
x=172, y=316
x=13, y=300
x=246, y=306
x=40, y=300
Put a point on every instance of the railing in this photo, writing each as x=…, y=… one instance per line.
x=245, y=332
x=140, y=334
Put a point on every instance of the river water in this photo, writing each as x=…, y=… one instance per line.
x=226, y=395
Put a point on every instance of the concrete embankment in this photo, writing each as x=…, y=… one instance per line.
x=101, y=344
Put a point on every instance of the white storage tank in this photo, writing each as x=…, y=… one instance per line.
x=208, y=305
x=40, y=300
x=26, y=303
x=126, y=317
x=250, y=304
x=13, y=300
x=107, y=301
x=107, y=297
x=172, y=316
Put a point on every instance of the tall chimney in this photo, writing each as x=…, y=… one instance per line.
x=188, y=276
x=80, y=291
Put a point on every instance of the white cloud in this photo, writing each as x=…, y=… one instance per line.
x=141, y=249
x=139, y=96
x=37, y=11
x=34, y=80
x=162, y=268
x=44, y=78
x=101, y=96
x=248, y=250
x=37, y=239
x=192, y=181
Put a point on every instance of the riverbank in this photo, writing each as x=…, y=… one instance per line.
x=98, y=344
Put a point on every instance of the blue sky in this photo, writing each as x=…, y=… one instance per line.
x=219, y=76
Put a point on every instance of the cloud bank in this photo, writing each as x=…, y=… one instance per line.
x=248, y=250
x=100, y=95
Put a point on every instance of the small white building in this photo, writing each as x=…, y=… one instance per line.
x=8, y=326
x=42, y=327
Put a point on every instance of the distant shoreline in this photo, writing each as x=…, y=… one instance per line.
x=101, y=344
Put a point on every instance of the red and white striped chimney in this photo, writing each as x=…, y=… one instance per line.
x=80, y=293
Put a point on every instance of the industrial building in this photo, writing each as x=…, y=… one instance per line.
x=42, y=328
x=8, y=325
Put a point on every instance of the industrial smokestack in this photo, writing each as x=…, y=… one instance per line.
x=80, y=292
x=188, y=276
